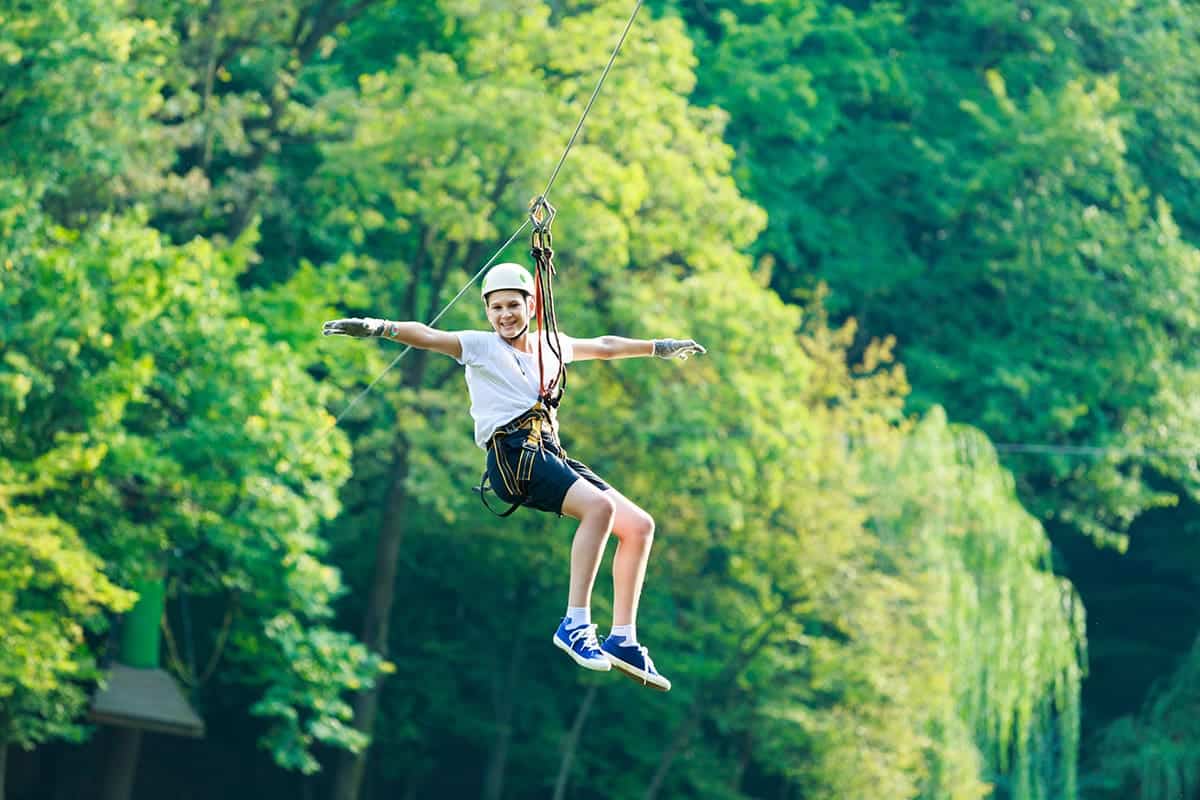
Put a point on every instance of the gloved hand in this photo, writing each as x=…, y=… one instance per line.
x=676, y=348
x=355, y=326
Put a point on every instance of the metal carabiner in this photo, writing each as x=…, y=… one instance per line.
x=541, y=214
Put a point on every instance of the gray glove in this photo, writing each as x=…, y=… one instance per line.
x=355, y=326
x=676, y=348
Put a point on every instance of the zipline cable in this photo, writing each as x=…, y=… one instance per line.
x=1092, y=451
x=596, y=91
x=545, y=193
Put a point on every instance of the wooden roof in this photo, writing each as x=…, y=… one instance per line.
x=147, y=699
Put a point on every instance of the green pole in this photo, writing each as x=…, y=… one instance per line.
x=139, y=629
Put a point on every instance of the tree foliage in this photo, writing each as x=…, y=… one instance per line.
x=981, y=162
x=905, y=231
x=80, y=86
x=1152, y=754
x=163, y=425
x=53, y=592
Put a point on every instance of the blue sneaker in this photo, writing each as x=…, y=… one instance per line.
x=581, y=645
x=635, y=662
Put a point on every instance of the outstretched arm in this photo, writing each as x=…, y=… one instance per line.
x=416, y=334
x=609, y=347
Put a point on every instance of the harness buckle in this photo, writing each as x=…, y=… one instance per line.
x=533, y=442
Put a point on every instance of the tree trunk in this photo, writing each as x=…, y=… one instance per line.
x=3, y=766
x=739, y=773
x=123, y=747
x=504, y=702
x=349, y=775
x=682, y=735
x=571, y=744
x=493, y=782
x=714, y=694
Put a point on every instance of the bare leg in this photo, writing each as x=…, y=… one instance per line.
x=595, y=511
x=635, y=535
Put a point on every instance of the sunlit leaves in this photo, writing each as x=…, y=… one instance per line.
x=52, y=591
x=80, y=84
x=306, y=672
x=160, y=422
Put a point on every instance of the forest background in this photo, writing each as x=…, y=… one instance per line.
x=927, y=510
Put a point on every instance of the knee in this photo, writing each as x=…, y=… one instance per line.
x=641, y=527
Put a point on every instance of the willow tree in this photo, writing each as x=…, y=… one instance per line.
x=1006, y=633
x=886, y=611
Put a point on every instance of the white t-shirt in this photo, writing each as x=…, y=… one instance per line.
x=503, y=381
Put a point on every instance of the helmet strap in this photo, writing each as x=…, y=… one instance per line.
x=511, y=339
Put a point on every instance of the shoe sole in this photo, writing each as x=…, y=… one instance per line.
x=604, y=666
x=638, y=675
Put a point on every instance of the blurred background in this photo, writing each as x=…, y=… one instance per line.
x=927, y=509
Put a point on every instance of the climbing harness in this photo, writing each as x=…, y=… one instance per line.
x=535, y=421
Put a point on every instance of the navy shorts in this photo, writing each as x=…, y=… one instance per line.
x=520, y=473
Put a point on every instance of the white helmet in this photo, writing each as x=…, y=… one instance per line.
x=507, y=276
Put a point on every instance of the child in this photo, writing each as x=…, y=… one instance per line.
x=526, y=463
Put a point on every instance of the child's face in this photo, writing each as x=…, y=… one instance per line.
x=509, y=311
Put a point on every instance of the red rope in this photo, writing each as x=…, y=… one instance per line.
x=538, y=315
x=541, y=248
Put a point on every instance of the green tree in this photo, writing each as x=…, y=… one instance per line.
x=430, y=179
x=1153, y=53
x=1007, y=189
x=1005, y=634
x=806, y=600
x=242, y=82
x=80, y=88
x=1152, y=754
x=971, y=160
x=52, y=593
x=188, y=436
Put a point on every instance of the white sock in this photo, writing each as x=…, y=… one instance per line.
x=628, y=633
x=578, y=616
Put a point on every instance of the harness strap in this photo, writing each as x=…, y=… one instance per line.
x=483, y=488
x=533, y=421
